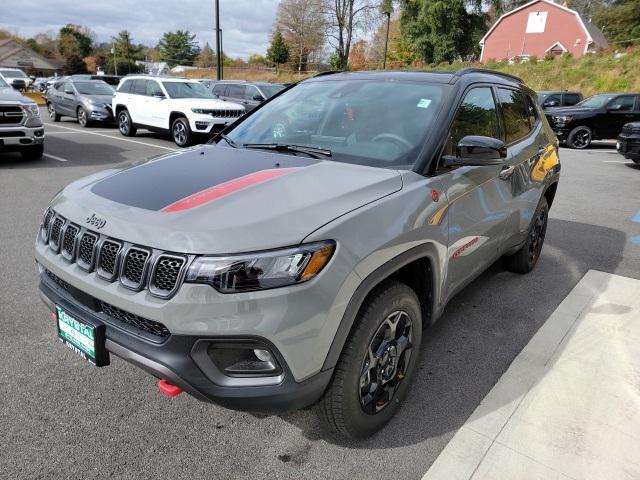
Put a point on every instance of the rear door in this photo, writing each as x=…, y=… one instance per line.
x=479, y=200
x=67, y=99
x=137, y=101
x=620, y=111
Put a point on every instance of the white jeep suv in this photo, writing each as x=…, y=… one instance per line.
x=178, y=106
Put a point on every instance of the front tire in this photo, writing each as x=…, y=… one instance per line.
x=580, y=138
x=125, y=124
x=181, y=133
x=376, y=366
x=525, y=259
x=34, y=152
x=52, y=112
x=83, y=119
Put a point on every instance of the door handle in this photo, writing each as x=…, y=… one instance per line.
x=506, y=172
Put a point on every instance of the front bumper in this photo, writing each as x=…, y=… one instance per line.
x=178, y=359
x=629, y=146
x=98, y=113
x=12, y=138
x=202, y=123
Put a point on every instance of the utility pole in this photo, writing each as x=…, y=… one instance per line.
x=115, y=63
x=386, y=41
x=221, y=55
x=218, y=42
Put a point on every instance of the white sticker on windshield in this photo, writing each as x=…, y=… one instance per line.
x=424, y=103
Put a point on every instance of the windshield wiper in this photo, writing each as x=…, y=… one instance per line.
x=281, y=147
x=228, y=140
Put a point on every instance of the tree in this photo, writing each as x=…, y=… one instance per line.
x=303, y=25
x=358, y=55
x=74, y=40
x=620, y=22
x=345, y=18
x=278, y=51
x=257, y=59
x=206, y=58
x=126, y=54
x=440, y=30
x=74, y=64
x=178, y=48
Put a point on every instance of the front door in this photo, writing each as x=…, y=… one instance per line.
x=620, y=110
x=479, y=200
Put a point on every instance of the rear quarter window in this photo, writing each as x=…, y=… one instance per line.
x=125, y=87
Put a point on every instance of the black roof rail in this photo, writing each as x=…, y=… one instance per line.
x=467, y=70
x=328, y=72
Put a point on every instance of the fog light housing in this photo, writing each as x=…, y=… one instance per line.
x=243, y=359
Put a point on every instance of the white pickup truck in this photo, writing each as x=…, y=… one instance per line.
x=21, y=127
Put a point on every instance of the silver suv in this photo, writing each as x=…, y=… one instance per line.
x=297, y=259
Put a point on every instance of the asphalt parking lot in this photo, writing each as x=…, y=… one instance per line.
x=62, y=418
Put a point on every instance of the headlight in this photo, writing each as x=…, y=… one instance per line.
x=562, y=119
x=197, y=110
x=32, y=110
x=262, y=270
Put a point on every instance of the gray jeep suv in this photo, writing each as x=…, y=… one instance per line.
x=296, y=259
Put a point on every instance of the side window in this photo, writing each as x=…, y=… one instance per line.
x=552, y=101
x=139, y=87
x=59, y=86
x=571, y=99
x=514, y=113
x=219, y=89
x=67, y=87
x=153, y=88
x=236, y=91
x=477, y=115
x=622, y=104
x=125, y=87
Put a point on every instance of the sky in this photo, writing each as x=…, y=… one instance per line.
x=246, y=24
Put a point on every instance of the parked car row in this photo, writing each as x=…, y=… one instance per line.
x=185, y=109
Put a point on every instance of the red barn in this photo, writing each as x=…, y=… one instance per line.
x=540, y=28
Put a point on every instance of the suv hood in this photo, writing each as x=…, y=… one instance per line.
x=214, y=199
x=9, y=94
x=205, y=103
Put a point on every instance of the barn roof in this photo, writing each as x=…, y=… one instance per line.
x=594, y=35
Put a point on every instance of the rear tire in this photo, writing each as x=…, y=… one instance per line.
x=52, y=112
x=34, y=152
x=525, y=259
x=580, y=138
x=125, y=124
x=374, y=370
x=83, y=120
x=181, y=132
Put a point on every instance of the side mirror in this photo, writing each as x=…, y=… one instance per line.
x=477, y=151
x=552, y=103
x=68, y=92
x=158, y=95
x=258, y=98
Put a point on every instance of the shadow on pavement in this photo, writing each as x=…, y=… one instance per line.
x=499, y=309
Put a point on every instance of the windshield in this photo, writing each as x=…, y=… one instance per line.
x=271, y=90
x=542, y=96
x=97, y=87
x=187, y=90
x=375, y=123
x=597, y=101
x=13, y=73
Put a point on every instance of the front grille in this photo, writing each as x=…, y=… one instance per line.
x=69, y=242
x=166, y=274
x=54, y=238
x=11, y=115
x=108, y=259
x=134, y=267
x=223, y=113
x=141, y=323
x=86, y=250
x=116, y=314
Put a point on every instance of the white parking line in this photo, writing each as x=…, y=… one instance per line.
x=53, y=157
x=113, y=137
x=613, y=161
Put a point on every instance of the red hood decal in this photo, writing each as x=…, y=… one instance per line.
x=213, y=193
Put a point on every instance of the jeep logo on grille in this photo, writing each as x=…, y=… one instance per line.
x=96, y=221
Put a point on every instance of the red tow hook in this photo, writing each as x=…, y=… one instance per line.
x=167, y=389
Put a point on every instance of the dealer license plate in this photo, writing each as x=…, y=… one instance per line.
x=85, y=339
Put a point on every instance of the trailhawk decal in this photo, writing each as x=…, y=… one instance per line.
x=226, y=188
x=466, y=246
x=178, y=182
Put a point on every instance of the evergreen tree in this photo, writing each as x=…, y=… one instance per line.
x=178, y=48
x=278, y=51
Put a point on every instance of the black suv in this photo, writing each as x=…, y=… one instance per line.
x=629, y=142
x=553, y=99
x=598, y=117
x=250, y=95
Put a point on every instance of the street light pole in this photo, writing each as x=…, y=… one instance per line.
x=218, y=46
x=115, y=63
x=386, y=41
